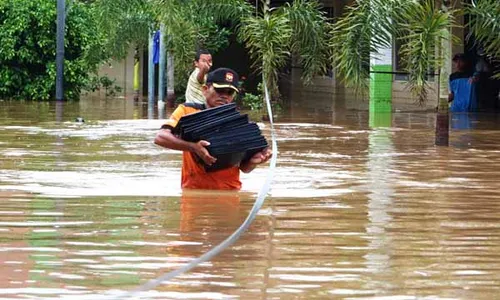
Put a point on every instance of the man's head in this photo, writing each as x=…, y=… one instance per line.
x=221, y=87
x=202, y=56
x=460, y=61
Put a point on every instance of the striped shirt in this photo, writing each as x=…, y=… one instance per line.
x=193, y=90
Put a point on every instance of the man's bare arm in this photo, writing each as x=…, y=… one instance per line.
x=204, y=68
x=166, y=139
x=257, y=159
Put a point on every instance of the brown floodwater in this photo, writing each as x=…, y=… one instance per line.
x=356, y=211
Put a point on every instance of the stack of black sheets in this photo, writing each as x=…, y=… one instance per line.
x=233, y=139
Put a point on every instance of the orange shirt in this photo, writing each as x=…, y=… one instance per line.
x=194, y=175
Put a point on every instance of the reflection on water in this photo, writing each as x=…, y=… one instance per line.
x=360, y=208
x=442, y=129
x=463, y=121
x=380, y=192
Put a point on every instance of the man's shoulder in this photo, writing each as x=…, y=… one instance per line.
x=180, y=111
x=197, y=106
x=187, y=108
x=459, y=75
x=194, y=73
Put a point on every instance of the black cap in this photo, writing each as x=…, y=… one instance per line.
x=224, y=78
x=459, y=56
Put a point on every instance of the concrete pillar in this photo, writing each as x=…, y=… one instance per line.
x=381, y=87
x=61, y=25
x=381, y=81
x=161, y=68
x=151, y=70
x=170, y=78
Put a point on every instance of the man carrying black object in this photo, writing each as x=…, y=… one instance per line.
x=220, y=89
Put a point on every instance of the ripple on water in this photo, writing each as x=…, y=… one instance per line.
x=95, y=209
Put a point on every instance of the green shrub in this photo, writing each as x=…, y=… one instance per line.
x=97, y=83
x=28, y=49
x=251, y=101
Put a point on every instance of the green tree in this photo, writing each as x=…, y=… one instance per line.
x=419, y=26
x=123, y=24
x=197, y=24
x=370, y=25
x=28, y=49
x=273, y=36
x=188, y=25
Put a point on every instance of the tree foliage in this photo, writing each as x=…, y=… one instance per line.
x=123, y=24
x=268, y=40
x=425, y=27
x=309, y=36
x=99, y=30
x=485, y=25
x=274, y=35
x=370, y=25
x=195, y=24
x=28, y=49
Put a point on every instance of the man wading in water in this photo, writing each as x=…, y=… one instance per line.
x=220, y=89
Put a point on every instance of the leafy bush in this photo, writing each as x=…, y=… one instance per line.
x=96, y=83
x=28, y=49
x=257, y=102
x=251, y=101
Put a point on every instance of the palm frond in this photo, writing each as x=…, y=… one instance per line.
x=183, y=37
x=366, y=27
x=224, y=10
x=425, y=28
x=351, y=46
x=485, y=25
x=125, y=22
x=268, y=42
x=188, y=31
x=370, y=25
x=309, y=36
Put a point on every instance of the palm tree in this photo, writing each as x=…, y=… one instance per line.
x=370, y=25
x=194, y=24
x=420, y=27
x=189, y=25
x=124, y=23
x=273, y=35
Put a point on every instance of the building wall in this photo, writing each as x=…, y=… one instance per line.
x=122, y=71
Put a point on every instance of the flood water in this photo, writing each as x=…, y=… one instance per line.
x=89, y=210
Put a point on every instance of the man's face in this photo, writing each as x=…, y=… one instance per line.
x=218, y=96
x=459, y=64
x=204, y=59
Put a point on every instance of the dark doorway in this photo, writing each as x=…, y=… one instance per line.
x=484, y=67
